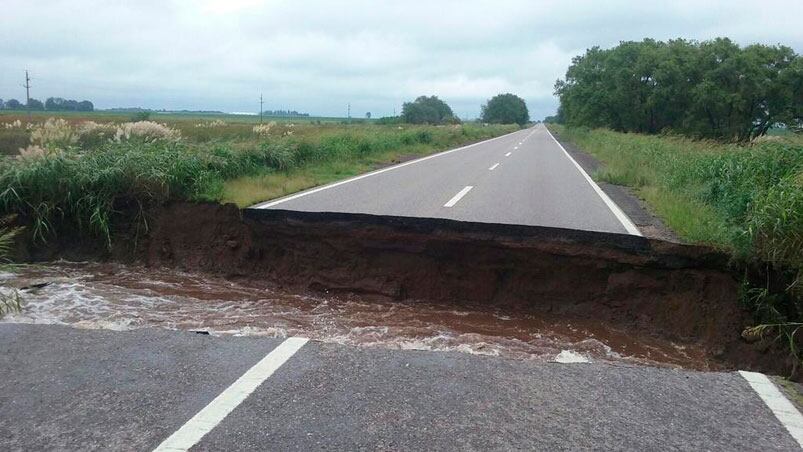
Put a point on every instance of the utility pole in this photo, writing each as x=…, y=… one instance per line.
x=260, y=108
x=27, y=86
x=349, y=112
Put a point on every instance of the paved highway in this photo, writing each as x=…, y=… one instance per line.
x=525, y=177
x=69, y=389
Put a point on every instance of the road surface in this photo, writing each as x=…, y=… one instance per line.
x=525, y=178
x=69, y=389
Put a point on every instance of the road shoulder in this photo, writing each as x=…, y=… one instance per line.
x=634, y=207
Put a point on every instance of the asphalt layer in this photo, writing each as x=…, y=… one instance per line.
x=71, y=389
x=536, y=185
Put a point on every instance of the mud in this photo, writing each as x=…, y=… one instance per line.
x=648, y=288
x=124, y=297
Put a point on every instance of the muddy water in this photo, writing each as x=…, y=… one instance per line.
x=91, y=295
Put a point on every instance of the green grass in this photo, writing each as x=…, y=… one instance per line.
x=85, y=185
x=745, y=199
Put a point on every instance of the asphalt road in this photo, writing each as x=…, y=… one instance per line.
x=69, y=389
x=521, y=178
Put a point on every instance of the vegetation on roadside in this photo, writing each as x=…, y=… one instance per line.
x=10, y=300
x=747, y=199
x=711, y=89
x=79, y=174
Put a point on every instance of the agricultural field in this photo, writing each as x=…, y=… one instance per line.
x=77, y=170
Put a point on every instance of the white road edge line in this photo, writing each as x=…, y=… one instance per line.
x=272, y=203
x=780, y=406
x=617, y=212
x=212, y=414
x=457, y=197
x=508, y=154
x=493, y=167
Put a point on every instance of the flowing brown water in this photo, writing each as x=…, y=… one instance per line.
x=112, y=296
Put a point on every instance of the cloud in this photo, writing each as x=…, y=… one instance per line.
x=317, y=56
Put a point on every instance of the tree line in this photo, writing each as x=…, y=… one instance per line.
x=51, y=104
x=501, y=109
x=711, y=89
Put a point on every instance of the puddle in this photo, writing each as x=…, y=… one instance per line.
x=117, y=297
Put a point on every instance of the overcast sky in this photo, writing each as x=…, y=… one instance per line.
x=317, y=56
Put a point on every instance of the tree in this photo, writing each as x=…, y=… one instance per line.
x=35, y=104
x=85, y=105
x=710, y=89
x=2, y=104
x=13, y=104
x=505, y=109
x=368, y=115
x=427, y=110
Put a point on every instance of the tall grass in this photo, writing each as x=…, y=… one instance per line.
x=81, y=189
x=746, y=199
x=10, y=300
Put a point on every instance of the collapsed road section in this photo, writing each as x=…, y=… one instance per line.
x=685, y=294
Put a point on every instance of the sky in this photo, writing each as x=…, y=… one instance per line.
x=319, y=56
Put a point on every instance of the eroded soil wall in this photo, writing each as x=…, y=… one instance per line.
x=678, y=292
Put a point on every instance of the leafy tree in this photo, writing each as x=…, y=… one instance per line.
x=35, y=104
x=505, y=109
x=2, y=104
x=710, y=89
x=13, y=104
x=427, y=110
x=85, y=105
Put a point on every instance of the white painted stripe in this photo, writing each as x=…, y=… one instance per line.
x=780, y=406
x=617, y=212
x=508, y=154
x=457, y=197
x=272, y=203
x=211, y=415
x=493, y=167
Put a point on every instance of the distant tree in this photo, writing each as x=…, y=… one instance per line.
x=54, y=104
x=2, y=104
x=85, y=105
x=13, y=104
x=505, y=109
x=368, y=115
x=35, y=104
x=427, y=110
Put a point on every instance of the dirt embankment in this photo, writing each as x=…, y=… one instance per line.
x=677, y=292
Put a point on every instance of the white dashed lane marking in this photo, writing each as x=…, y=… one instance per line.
x=457, y=197
x=211, y=415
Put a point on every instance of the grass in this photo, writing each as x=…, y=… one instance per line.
x=745, y=199
x=270, y=184
x=10, y=300
x=83, y=183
